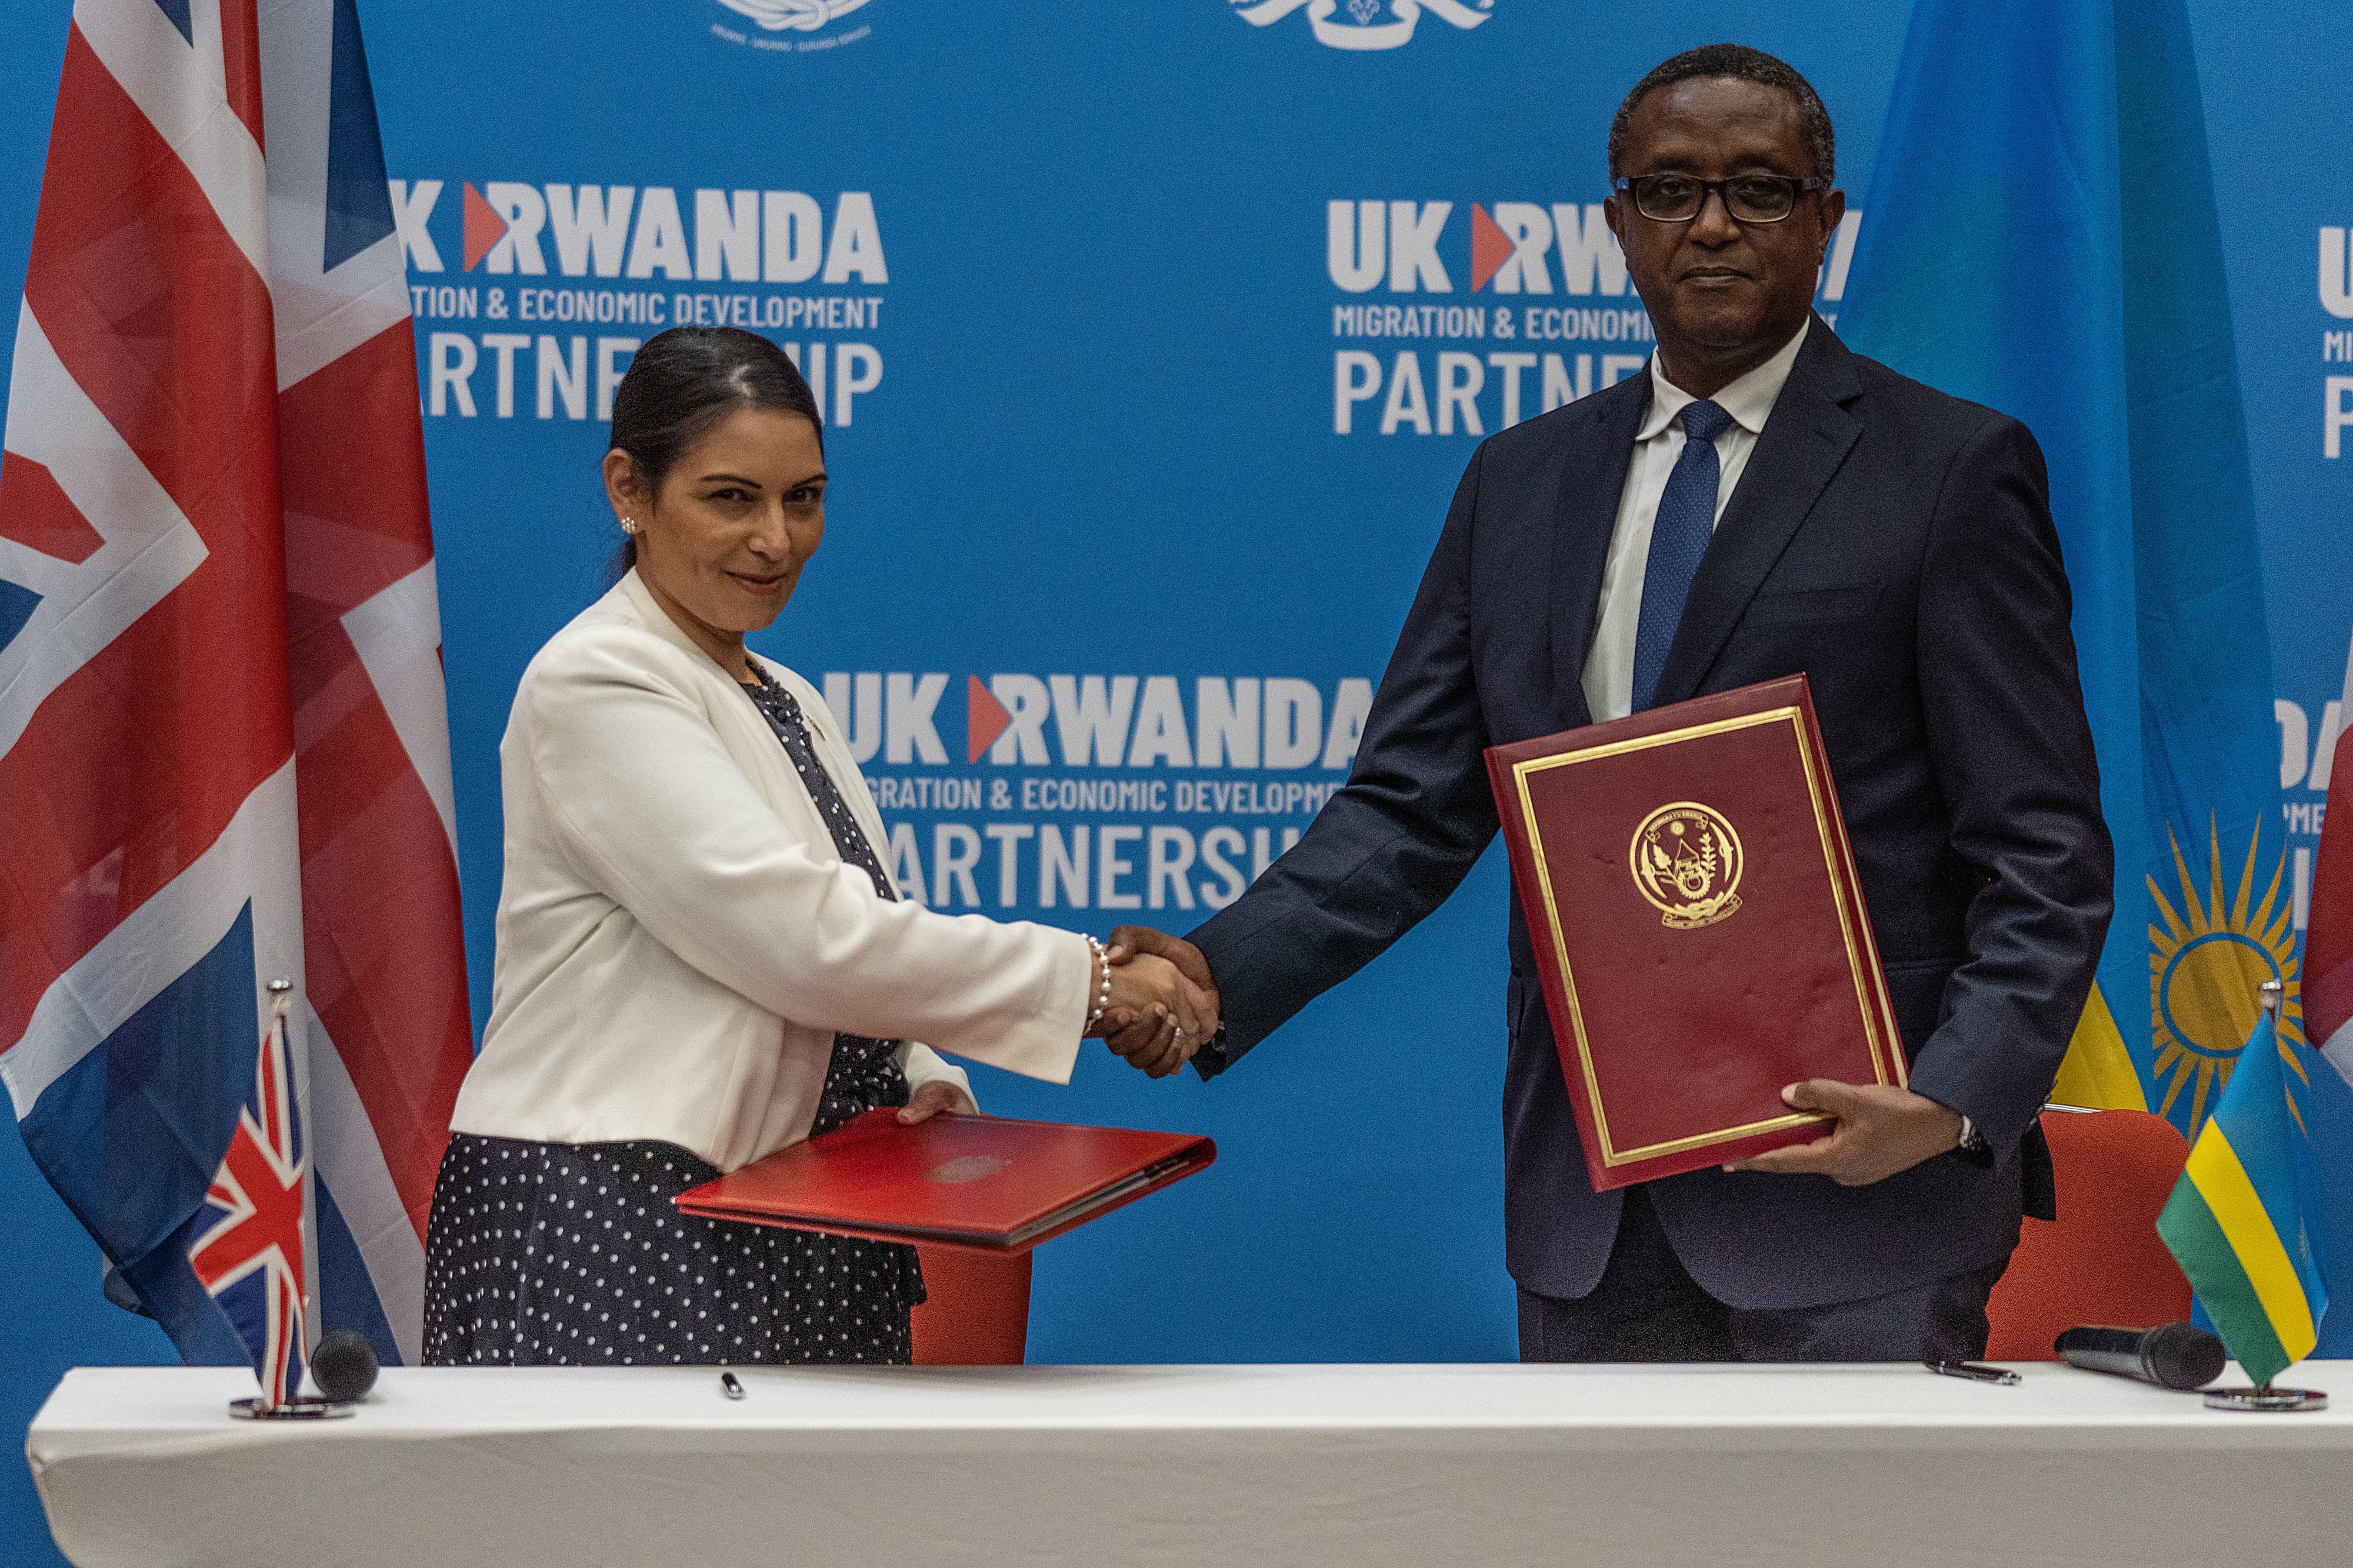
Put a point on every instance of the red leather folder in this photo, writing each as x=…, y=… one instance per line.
x=985, y=1182
x=1697, y=924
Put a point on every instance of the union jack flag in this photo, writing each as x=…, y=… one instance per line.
x=224, y=750
x=259, y=1238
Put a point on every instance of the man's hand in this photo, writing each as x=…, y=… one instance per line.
x=1881, y=1130
x=1150, y=1043
x=933, y=1097
x=1148, y=993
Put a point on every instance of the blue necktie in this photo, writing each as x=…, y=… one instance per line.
x=1686, y=522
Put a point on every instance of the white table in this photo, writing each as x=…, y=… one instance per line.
x=1226, y=1466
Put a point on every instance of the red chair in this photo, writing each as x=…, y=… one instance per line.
x=2101, y=1260
x=977, y=1308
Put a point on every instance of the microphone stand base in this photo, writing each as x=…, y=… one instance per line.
x=302, y=1407
x=2266, y=1398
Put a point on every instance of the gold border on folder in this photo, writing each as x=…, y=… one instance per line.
x=1864, y=982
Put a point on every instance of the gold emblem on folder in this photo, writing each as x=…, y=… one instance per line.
x=1686, y=861
x=967, y=1168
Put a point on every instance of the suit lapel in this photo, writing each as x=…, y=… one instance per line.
x=742, y=729
x=1585, y=515
x=1805, y=439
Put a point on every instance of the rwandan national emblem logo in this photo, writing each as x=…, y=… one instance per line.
x=1686, y=860
x=1363, y=28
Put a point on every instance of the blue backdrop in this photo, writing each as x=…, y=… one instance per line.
x=1152, y=350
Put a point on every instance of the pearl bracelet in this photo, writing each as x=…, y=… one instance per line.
x=1102, y=967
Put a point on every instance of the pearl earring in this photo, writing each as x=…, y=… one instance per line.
x=628, y=525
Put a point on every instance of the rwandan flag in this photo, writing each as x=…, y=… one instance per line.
x=2040, y=237
x=2244, y=1220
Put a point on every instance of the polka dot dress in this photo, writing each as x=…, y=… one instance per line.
x=572, y=1254
x=865, y=1073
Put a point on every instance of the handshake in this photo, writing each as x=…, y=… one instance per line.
x=1163, y=1005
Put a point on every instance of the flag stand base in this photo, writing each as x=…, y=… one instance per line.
x=2266, y=1398
x=302, y=1407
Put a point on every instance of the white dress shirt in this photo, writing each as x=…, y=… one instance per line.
x=1609, y=664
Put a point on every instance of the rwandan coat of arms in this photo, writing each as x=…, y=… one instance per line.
x=1686, y=861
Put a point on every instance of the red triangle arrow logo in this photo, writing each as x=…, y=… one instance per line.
x=1490, y=245
x=984, y=719
x=484, y=227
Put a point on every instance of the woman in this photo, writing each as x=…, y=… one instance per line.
x=700, y=956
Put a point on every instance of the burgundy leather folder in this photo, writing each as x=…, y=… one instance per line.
x=1698, y=927
x=985, y=1182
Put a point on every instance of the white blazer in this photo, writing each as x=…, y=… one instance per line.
x=678, y=939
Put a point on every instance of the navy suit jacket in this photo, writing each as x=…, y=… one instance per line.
x=1895, y=545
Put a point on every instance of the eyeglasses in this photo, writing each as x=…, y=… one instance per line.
x=1749, y=198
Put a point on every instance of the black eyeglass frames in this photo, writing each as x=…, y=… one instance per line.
x=1749, y=198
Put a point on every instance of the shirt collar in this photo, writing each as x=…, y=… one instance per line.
x=1748, y=399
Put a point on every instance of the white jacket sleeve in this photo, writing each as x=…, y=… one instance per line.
x=658, y=817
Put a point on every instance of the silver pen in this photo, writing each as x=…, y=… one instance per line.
x=1976, y=1372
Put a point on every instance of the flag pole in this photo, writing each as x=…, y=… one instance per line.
x=2274, y=997
x=2273, y=994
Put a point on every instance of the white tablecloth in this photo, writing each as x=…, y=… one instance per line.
x=1224, y=1465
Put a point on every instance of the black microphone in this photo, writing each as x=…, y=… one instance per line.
x=343, y=1366
x=2174, y=1355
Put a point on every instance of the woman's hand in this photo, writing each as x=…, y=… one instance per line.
x=1149, y=992
x=933, y=1097
x=1147, y=1043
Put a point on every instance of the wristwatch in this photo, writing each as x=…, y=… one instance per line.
x=1972, y=1140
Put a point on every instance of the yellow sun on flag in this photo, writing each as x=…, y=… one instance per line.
x=2209, y=953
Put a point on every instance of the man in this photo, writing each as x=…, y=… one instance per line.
x=1760, y=502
